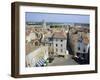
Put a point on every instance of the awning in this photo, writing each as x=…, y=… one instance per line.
x=40, y=62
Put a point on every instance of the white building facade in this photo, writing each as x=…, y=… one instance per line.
x=59, y=46
x=81, y=48
x=60, y=43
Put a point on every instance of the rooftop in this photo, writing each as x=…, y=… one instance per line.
x=85, y=38
x=60, y=34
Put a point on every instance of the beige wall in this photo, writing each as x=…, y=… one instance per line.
x=36, y=55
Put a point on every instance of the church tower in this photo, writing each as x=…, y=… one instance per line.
x=44, y=24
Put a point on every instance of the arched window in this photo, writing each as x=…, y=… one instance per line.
x=36, y=43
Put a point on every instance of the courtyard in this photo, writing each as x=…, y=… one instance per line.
x=67, y=60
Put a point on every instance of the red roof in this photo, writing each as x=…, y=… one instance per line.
x=61, y=35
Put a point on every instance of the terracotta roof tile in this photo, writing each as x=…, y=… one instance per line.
x=60, y=35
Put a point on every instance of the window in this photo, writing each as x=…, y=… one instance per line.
x=84, y=50
x=61, y=40
x=36, y=43
x=78, y=48
x=56, y=45
x=80, y=41
x=50, y=39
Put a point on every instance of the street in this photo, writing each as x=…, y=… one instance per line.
x=59, y=61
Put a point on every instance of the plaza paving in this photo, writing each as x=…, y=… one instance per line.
x=59, y=61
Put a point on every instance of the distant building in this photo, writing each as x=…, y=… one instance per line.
x=48, y=41
x=38, y=57
x=59, y=43
x=79, y=43
x=44, y=24
x=56, y=43
x=82, y=46
x=31, y=36
x=82, y=24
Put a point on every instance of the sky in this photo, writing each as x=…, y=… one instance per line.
x=56, y=17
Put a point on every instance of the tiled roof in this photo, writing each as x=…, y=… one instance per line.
x=75, y=37
x=60, y=34
x=85, y=39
